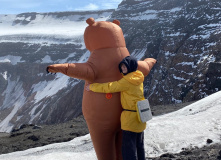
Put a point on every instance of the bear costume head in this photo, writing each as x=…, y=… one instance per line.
x=103, y=34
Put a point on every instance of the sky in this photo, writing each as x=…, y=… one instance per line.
x=22, y=6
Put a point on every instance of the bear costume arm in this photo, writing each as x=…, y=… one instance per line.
x=146, y=65
x=82, y=71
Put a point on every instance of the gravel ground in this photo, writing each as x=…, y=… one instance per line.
x=209, y=152
x=30, y=136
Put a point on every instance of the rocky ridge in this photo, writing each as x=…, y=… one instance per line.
x=29, y=43
x=184, y=36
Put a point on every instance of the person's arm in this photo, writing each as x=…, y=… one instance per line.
x=109, y=87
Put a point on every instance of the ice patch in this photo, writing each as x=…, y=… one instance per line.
x=46, y=89
x=142, y=16
x=13, y=99
x=47, y=59
x=11, y=59
x=4, y=74
x=139, y=53
x=187, y=64
x=71, y=26
x=176, y=9
x=178, y=78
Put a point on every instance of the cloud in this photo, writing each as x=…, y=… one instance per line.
x=21, y=6
x=88, y=7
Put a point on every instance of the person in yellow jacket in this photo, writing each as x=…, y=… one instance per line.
x=131, y=88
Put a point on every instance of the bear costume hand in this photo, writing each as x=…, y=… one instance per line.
x=48, y=70
x=57, y=68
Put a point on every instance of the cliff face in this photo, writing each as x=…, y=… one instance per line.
x=184, y=36
x=29, y=42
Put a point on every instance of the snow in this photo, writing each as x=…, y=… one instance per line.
x=176, y=34
x=66, y=59
x=85, y=57
x=45, y=29
x=14, y=100
x=207, y=57
x=167, y=53
x=176, y=9
x=11, y=59
x=47, y=59
x=178, y=78
x=139, y=53
x=149, y=14
x=188, y=127
x=45, y=89
x=143, y=16
x=187, y=63
x=210, y=44
x=69, y=26
x=4, y=75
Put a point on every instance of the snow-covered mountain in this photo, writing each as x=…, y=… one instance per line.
x=184, y=36
x=28, y=43
x=188, y=127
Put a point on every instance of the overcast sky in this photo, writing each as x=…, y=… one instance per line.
x=21, y=6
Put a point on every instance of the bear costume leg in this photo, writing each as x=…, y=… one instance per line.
x=103, y=120
x=118, y=145
x=107, y=144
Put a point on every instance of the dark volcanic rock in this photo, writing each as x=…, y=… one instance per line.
x=29, y=137
x=210, y=152
x=184, y=36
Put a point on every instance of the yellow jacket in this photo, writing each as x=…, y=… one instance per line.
x=131, y=88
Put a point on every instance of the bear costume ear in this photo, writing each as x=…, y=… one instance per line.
x=90, y=21
x=117, y=22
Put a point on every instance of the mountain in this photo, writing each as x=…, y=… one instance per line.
x=184, y=37
x=29, y=42
x=184, y=130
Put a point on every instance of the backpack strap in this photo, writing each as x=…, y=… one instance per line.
x=129, y=110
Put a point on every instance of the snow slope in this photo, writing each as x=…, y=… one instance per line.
x=185, y=128
x=39, y=39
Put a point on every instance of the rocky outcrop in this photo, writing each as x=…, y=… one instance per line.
x=184, y=36
x=30, y=42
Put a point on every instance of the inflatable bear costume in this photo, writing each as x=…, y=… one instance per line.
x=102, y=111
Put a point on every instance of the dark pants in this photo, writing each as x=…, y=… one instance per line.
x=133, y=146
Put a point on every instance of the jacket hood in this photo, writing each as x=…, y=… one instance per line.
x=131, y=64
x=135, y=78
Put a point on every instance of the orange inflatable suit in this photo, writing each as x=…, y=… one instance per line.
x=102, y=111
